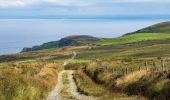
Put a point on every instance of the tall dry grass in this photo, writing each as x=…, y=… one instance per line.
x=27, y=81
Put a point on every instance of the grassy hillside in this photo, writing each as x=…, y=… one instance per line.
x=163, y=27
x=135, y=38
x=85, y=39
x=67, y=41
x=154, y=32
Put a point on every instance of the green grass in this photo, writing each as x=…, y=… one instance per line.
x=80, y=61
x=135, y=38
x=153, y=85
x=27, y=61
x=66, y=85
x=86, y=85
x=163, y=27
x=27, y=81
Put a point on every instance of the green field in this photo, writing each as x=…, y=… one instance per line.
x=135, y=38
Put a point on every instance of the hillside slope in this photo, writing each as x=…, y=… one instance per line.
x=163, y=27
x=155, y=32
x=67, y=41
x=138, y=37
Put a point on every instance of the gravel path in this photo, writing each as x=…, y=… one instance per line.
x=73, y=89
x=54, y=95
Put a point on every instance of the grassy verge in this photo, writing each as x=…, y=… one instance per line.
x=80, y=61
x=66, y=85
x=86, y=85
x=27, y=81
x=153, y=85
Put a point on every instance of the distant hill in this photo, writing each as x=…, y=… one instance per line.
x=163, y=27
x=132, y=38
x=67, y=41
x=155, y=32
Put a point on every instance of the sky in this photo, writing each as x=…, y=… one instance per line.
x=25, y=23
x=84, y=9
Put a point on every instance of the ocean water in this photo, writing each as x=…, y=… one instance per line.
x=16, y=34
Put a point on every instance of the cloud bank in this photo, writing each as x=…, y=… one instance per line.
x=22, y=3
x=128, y=9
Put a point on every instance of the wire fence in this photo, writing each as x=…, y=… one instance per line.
x=162, y=66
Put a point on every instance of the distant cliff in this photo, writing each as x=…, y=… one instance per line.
x=67, y=41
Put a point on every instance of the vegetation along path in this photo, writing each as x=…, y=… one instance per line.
x=66, y=88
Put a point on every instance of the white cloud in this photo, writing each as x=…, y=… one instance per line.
x=20, y=3
x=139, y=0
x=16, y=3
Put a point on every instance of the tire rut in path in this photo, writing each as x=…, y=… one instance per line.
x=72, y=90
x=54, y=95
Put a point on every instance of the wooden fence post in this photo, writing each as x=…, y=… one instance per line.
x=162, y=65
x=116, y=71
x=126, y=70
x=139, y=68
x=154, y=64
x=146, y=65
x=106, y=67
x=85, y=68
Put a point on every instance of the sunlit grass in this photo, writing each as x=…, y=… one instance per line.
x=79, y=61
x=66, y=86
x=135, y=38
x=86, y=85
x=27, y=81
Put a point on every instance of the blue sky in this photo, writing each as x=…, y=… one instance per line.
x=85, y=9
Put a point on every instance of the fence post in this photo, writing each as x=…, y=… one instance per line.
x=154, y=64
x=126, y=70
x=116, y=71
x=162, y=65
x=146, y=65
x=85, y=68
x=139, y=68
